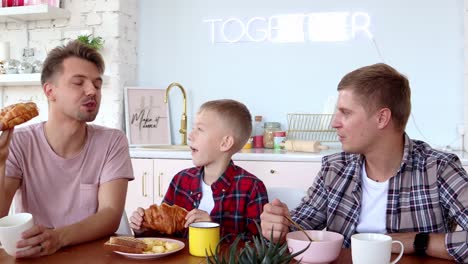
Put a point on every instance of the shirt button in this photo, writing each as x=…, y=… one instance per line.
x=224, y=190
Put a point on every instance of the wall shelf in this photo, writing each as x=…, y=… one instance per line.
x=28, y=79
x=32, y=13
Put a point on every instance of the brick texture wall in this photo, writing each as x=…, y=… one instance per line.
x=114, y=20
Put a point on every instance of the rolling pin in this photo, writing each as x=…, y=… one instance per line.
x=303, y=145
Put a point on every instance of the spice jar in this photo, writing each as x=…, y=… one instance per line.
x=268, y=137
x=278, y=139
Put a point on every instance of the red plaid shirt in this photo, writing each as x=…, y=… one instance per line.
x=238, y=195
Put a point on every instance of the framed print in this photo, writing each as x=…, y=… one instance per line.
x=147, y=117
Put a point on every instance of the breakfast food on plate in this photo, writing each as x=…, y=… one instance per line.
x=166, y=219
x=16, y=114
x=133, y=245
x=126, y=244
x=159, y=246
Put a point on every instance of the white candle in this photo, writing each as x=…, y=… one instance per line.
x=4, y=51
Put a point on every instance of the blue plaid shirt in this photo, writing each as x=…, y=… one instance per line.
x=428, y=194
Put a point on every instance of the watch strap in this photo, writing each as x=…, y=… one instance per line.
x=421, y=240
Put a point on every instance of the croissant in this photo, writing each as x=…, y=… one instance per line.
x=16, y=114
x=165, y=219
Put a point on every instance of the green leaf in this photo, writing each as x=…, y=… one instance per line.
x=96, y=43
x=257, y=251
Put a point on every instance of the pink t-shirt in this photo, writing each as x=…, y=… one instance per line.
x=58, y=191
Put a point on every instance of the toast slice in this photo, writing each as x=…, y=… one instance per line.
x=121, y=248
x=126, y=244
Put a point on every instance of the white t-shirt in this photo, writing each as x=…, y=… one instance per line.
x=372, y=218
x=207, y=201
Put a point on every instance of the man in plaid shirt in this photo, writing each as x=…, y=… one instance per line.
x=383, y=182
x=216, y=189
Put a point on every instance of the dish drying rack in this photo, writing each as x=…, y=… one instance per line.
x=311, y=127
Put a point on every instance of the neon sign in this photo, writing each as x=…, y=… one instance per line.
x=291, y=28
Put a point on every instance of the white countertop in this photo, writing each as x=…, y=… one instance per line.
x=254, y=155
x=245, y=154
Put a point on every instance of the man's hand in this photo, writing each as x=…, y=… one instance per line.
x=42, y=241
x=196, y=215
x=136, y=220
x=273, y=219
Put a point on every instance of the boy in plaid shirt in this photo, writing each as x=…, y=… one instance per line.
x=217, y=190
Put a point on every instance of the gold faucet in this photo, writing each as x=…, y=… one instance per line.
x=183, y=121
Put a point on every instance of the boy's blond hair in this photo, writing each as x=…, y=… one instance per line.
x=235, y=115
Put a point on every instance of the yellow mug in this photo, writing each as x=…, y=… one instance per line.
x=203, y=238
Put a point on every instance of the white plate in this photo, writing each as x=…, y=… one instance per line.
x=155, y=255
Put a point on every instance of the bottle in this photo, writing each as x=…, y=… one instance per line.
x=257, y=132
x=268, y=137
x=248, y=144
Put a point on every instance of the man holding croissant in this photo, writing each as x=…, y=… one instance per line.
x=70, y=175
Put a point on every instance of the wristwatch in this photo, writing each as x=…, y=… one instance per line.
x=421, y=240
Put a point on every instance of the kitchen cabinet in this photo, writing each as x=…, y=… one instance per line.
x=152, y=178
x=289, y=174
x=140, y=190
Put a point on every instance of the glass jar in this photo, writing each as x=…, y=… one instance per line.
x=268, y=137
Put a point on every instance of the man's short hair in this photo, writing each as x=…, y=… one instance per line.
x=53, y=64
x=234, y=114
x=381, y=86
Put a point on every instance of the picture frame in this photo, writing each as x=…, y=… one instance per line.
x=147, y=118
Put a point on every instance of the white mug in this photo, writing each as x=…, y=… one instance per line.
x=373, y=248
x=11, y=228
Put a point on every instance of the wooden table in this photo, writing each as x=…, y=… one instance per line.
x=345, y=258
x=95, y=253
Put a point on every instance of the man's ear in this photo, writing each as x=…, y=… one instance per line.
x=227, y=143
x=49, y=91
x=384, y=116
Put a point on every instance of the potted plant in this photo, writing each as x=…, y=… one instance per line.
x=258, y=251
x=96, y=43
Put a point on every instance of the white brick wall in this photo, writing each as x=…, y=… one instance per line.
x=114, y=20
